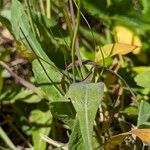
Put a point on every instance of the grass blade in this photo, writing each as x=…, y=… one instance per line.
x=4, y=136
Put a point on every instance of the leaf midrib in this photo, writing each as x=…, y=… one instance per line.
x=86, y=118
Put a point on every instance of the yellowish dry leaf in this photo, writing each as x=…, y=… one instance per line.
x=125, y=35
x=143, y=134
x=115, y=140
x=114, y=49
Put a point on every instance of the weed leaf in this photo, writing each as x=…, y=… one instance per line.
x=143, y=134
x=144, y=114
x=114, y=49
x=143, y=79
x=115, y=140
x=86, y=99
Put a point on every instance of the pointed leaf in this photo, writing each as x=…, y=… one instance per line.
x=114, y=49
x=45, y=71
x=86, y=99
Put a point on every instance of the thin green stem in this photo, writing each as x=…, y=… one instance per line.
x=2, y=148
x=77, y=46
x=94, y=42
x=42, y=7
x=30, y=17
x=48, y=8
x=108, y=36
x=143, y=147
x=67, y=18
x=103, y=59
x=74, y=39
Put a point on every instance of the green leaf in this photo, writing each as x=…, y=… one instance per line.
x=87, y=34
x=97, y=9
x=17, y=13
x=43, y=80
x=131, y=110
x=75, y=139
x=87, y=55
x=26, y=96
x=140, y=69
x=5, y=19
x=146, y=6
x=6, y=13
x=136, y=23
x=86, y=99
x=64, y=111
x=41, y=119
x=144, y=114
x=120, y=7
x=44, y=69
x=143, y=79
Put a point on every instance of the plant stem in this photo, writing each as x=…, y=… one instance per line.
x=108, y=35
x=77, y=47
x=143, y=147
x=74, y=40
x=42, y=7
x=67, y=18
x=48, y=8
x=30, y=17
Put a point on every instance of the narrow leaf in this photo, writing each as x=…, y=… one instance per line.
x=4, y=136
x=44, y=69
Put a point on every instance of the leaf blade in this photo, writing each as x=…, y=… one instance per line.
x=143, y=83
x=86, y=99
x=109, y=50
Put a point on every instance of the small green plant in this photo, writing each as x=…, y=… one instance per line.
x=80, y=74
